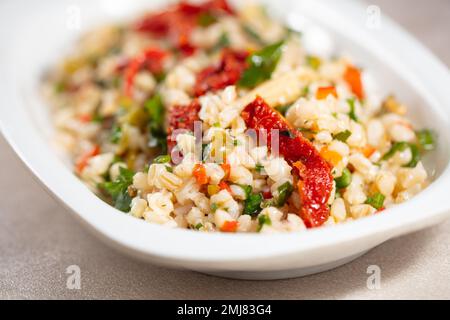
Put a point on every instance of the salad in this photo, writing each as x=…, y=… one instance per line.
x=211, y=118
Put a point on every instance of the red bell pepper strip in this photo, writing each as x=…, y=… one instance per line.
x=151, y=59
x=82, y=162
x=226, y=73
x=352, y=76
x=315, y=179
x=181, y=117
x=177, y=22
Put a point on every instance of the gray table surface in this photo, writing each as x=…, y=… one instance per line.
x=39, y=239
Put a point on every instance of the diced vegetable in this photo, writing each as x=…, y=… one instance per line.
x=376, y=201
x=284, y=192
x=426, y=139
x=205, y=19
x=352, y=113
x=263, y=220
x=119, y=189
x=224, y=41
x=82, y=162
x=344, y=180
x=224, y=186
x=247, y=190
x=324, y=92
x=402, y=146
x=229, y=226
x=252, y=205
x=214, y=207
x=199, y=173
x=213, y=189
x=116, y=134
x=353, y=78
x=162, y=159
x=343, y=136
x=198, y=226
x=261, y=65
x=331, y=156
x=152, y=59
x=314, y=62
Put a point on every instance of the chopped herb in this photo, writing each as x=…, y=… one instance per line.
x=236, y=142
x=343, y=136
x=155, y=109
x=259, y=168
x=216, y=125
x=162, y=159
x=426, y=139
x=263, y=220
x=252, y=205
x=169, y=169
x=224, y=41
x=305, y=92
x=352, y=113
x=97, y=118
x=60, y=87
x=284, y=192
x=261, y=65
x=214, y=207
x=376, y=201
x=198, y=226
x=344, y=180
x=119, y=191
x=206, y=19
x=402, y=146
x=116, y=134
x=306, y=130
x=252, y=34
x=314, y=62
x=248, y=190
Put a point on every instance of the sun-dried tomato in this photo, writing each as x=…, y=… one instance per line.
x=181, y=117
x=177, y=22
x=229, y=70
x=315, y=179
x=151, y=59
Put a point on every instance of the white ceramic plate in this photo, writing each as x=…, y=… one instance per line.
x=34, y=34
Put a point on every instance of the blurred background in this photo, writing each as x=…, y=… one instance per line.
x=36, y=246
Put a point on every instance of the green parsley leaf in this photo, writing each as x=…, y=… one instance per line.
x=261, y=65
x=376, y=201
x=344, y=180
x=402, y=146
x=252, y=205
x=426, y=139
x=118, y=189
x=284, y=192
x=263, y=220
x=352, y=113
x=162, y=159
x=116, y=134
x=343, y=136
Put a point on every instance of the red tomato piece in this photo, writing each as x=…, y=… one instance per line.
x=315, y=179
x=151, y=59
x=177, y=22
x=226, y=73
x=181, y=117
